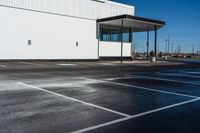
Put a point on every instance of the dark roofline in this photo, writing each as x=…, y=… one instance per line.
x=125, y=16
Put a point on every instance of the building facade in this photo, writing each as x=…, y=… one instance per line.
x=61, y=29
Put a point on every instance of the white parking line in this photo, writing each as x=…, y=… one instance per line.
x=106, y=64
x=3, y=66
x=28, y=63
x=135, y=116
x=144, y=88
x=193, y=72
x=66, y=64
x=117, y=78
x=163, y=79
x=182, y=75
x=73, y=99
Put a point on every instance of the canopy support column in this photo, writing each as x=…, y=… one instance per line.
x=155, y=45
x=98, y=36
x=122, y=40
x=131, y=41
x=148, y=45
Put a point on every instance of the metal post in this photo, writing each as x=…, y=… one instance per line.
x=155, y=45
x=122, y=40
x=131, y=41
x=148, y=45
x=98, y=36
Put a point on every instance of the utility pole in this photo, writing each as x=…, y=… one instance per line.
x=172, y=47
x=198, y=49
x=168, y=43
x=193, y=49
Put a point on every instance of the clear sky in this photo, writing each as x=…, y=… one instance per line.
x=182, y=22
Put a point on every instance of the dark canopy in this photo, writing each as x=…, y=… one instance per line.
x=137, y=24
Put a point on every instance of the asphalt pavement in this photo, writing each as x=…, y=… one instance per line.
x=99, y=97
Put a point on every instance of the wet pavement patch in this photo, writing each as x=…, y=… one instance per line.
x=29, y=110
x=127, y=100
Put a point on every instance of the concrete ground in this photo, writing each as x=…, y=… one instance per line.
x=99, y=97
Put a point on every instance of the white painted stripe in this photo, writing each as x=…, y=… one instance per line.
x=117, y=78
x=163, y=79
x=107, y=64
x=102, y=75
x=194, y=72
x=28, y=63
x=135, y=116
x=145, y=88
x=66, y=64
x=3, y=66
x=182, y=75
x=73, y=99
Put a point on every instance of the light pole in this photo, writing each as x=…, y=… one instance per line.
x=168, y=43
x=198, y=49
x=193, y=49
x=166, y=46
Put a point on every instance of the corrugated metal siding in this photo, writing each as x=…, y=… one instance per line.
x=79, y=8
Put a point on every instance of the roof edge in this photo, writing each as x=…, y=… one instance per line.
x=126, y=16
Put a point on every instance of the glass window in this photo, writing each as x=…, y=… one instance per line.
x=113, y=34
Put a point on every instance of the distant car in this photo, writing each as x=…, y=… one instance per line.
x=178, y=56
x=188, y=56
x=175, y=56
x=182, y=56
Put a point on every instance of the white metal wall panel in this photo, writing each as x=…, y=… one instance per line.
x=55, y=36
x=79, y=8
x=52, y=36
x=113, y=49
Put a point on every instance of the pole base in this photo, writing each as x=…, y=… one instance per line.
x=153, y=59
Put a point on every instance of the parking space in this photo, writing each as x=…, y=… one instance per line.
x=110, y=95
x=181, y=119
x=26, y=109
x=62, y=97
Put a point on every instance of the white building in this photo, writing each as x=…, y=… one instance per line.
x=68, y=29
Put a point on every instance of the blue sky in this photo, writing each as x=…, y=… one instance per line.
x=182, y=18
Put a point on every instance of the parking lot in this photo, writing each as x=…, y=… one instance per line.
x=99, y=97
